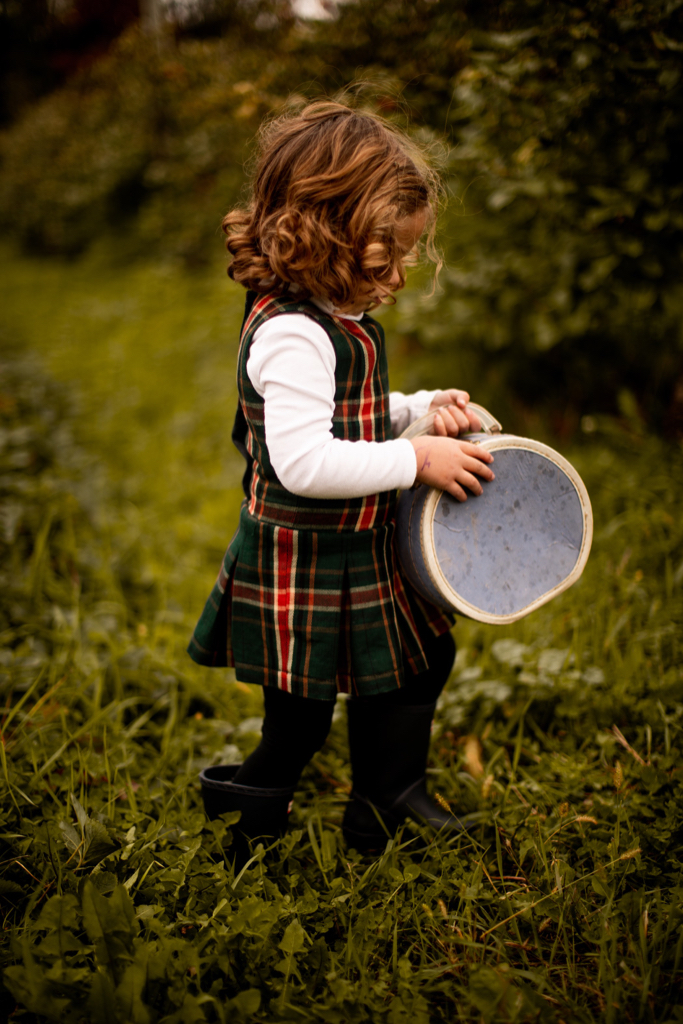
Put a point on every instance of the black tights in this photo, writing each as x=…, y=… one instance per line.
x=294, y=728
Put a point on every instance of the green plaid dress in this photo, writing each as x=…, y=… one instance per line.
x=309, y=598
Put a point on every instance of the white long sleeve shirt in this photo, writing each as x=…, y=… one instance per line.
x=292, y=367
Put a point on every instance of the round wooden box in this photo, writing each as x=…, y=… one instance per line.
x=499, y=556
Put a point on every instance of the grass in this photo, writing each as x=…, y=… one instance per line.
x=563, y=733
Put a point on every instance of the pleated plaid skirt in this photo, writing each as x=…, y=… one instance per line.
x=314, y=613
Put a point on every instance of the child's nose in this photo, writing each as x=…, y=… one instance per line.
x=395, y=279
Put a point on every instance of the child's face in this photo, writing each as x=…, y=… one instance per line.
x=408, y=233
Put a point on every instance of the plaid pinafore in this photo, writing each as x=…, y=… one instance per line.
x=309, y=598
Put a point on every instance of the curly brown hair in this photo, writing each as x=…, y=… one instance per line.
x=330, y=187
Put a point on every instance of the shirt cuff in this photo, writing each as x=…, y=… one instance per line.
x=408, y=464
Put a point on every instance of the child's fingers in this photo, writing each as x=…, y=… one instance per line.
x=475, y=451
x=440, y=428
x=455, y=419
x=456, y=490
x=470, y=482
x=474, y=421
x=458, y=397
x=480, y=468
x=444, y=423
x=458, y=418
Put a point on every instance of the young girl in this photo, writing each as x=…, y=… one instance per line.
x=310, y=601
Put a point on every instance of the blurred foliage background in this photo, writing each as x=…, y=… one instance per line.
x=558, y=128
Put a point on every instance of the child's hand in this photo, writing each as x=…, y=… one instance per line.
x=451, y=465
x=453, y=417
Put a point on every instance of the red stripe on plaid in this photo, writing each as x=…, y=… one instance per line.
x=285, y=574
x=367, y=401
x=291, y=605
x=401, y=599
x=250, y=448
x=257, y=493
x=368, y=513
x=312, y=603
x=387, y=576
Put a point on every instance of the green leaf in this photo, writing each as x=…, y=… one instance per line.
x=317, y=962
x=59, y=915
x=9, y=888
x=308, y=903
x=104, y=881
x=60, y=912
x=130, y=988
x=71, y=838
x=110, y=924
x=98, y=843
x=177, y=874
x=328, y=847
x=228, y=818
x=102, y=1000
x=600, y=887
x=486, y=989
x=246, y=1003
x=189, y=1013
x=130, y=882
x=30, y=987
x=93, y=843
x=293, y=939
x=411, y=872
x=525, y=846
x=80, y=813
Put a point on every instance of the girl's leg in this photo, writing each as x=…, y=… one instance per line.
x=294, y=728
x=262, y=788
x=389, y=742
x=400, y=722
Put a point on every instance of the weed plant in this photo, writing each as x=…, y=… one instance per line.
x=562, y=734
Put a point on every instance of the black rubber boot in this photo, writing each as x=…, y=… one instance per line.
x=264, y=811
x=389, y=746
